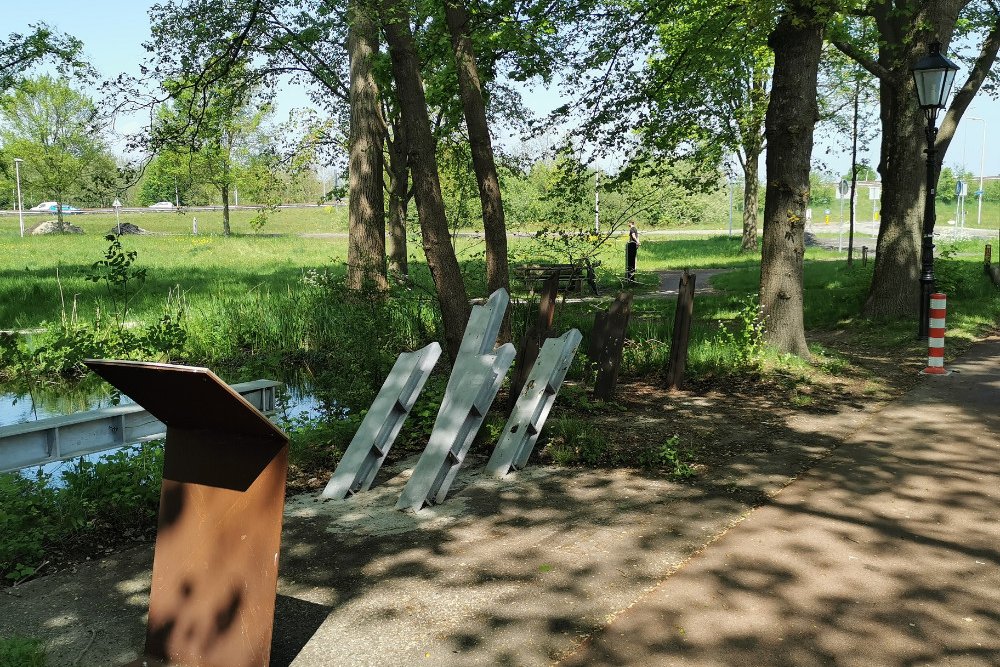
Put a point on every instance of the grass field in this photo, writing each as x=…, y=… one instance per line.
x=274, y=298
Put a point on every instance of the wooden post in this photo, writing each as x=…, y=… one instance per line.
x=534, y=337
x=991, y=269
x=215, y=565
x=864, y=255
x=607, y=343
x=682, y=331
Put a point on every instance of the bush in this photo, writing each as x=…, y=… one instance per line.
x=21, y=652
x=115, y=497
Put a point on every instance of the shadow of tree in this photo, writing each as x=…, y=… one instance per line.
x=877, y=556
x=886, y=553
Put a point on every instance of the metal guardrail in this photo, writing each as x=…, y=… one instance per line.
x=60, y=438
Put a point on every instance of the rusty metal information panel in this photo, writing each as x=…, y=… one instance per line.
x=215, y=566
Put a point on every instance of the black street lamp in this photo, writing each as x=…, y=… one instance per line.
x=933, y=75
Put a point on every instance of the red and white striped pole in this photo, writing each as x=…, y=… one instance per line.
x=935, y=336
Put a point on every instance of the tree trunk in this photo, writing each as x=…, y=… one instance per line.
x=366, y=198
x=751, y=190
x=752, y=140
x=797, y=42
x=399, y=184
x=470, y=89
x=895, y=287
x=224, y=191
x=441, y=260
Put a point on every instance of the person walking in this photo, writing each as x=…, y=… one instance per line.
x=631, y=249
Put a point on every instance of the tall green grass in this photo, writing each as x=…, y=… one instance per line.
x=21, y=652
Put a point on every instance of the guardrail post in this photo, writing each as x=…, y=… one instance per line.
x=474, y=382
x=381, y=425
x=534, y=403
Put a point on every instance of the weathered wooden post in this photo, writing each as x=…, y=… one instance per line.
x=992, y=270
x=536, y=334
x=215, y=566
x=682, y=331
x=864, y=255
x=607, y=342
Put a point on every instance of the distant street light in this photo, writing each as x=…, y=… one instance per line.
x=729, y=181
x=982, y=162
x=933, y=75
x=117, y=206
x=20, y=205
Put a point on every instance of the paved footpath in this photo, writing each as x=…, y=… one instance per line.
x=887, y=553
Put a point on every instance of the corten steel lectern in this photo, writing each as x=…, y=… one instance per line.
x=215, y=567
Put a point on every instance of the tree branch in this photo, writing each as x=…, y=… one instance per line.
x=863, y=59
x=964, y=96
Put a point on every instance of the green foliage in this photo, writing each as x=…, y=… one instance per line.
x=59, y=132
x=21, y=652
x=957, y=278
x=354, y=337
x=417, y=429
x=119, y=276
x=668, y=456
x=18, y=52
x=317, y=442
x=61, y=349
x=744, y=336
x=115, y=497
x=574, y=441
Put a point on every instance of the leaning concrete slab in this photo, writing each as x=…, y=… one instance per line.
x=379, y=428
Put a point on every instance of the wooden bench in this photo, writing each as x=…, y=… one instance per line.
x=571, y=276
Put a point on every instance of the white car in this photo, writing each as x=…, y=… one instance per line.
x=53, y=207
x=162, y=205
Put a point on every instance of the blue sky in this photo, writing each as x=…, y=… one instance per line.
x=113, y=31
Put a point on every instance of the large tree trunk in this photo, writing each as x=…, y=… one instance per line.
x=895, y=288
x=751, y=190
x=441, y=260
x=797, y=42
x=470, y=89
x=224, y=191
x=399, y=184
x=366, y=198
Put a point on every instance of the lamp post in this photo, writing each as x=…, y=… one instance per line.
x=20, y=206
x=933, y=75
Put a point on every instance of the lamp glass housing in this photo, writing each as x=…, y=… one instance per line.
x=934, y=76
